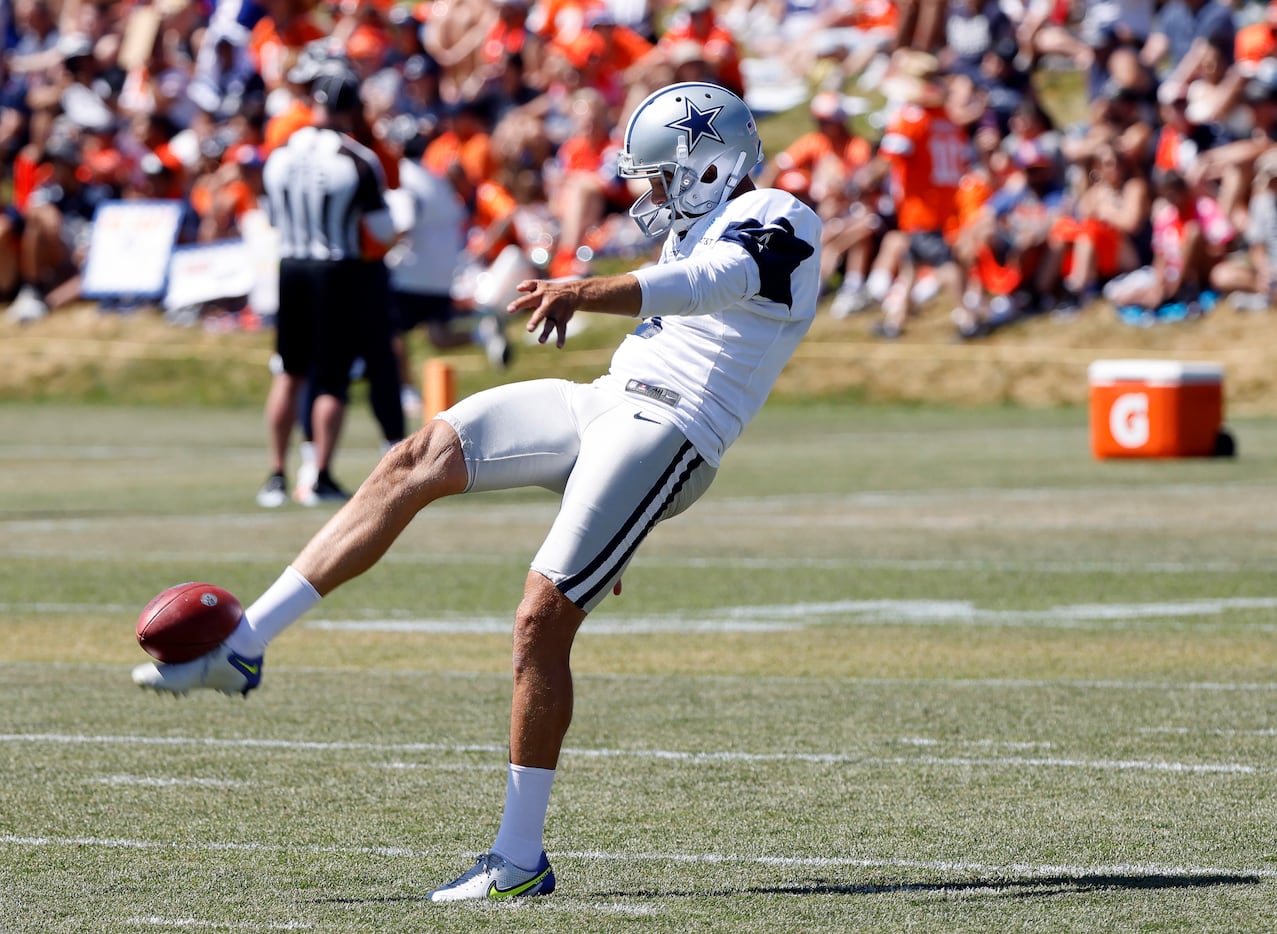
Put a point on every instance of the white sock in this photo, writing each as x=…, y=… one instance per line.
x=527, y=796
x=853, y=282
x=878, y=283
x=282, y=603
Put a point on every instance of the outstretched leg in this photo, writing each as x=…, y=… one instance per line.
x=426, y=466
x=409, y=477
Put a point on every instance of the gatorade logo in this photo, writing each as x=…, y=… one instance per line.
x=1128, y=420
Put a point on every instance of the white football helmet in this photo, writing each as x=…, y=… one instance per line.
x=701, y=140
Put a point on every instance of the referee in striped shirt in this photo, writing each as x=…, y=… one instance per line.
x=325, y=194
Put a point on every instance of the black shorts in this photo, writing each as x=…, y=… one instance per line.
x=929, y=249
x=410, y=309
x=318, y=331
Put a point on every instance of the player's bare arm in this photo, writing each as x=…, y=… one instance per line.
x=554, y=303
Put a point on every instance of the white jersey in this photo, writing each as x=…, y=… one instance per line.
x=723, y=311
x=425, y=261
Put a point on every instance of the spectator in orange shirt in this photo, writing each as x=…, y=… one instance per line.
x=925, y=155
x=561, y=21
x=297, y=113
x=696, y=22
x=818, y=168
x=279, y=37
x=818, y=165
x=510, y=35
x=609, y=49
x=465, y=141
x=221, y=198
x=1109, y=233
x=587, y=186
x=491, y=210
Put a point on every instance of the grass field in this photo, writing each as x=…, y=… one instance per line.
x=903, y=669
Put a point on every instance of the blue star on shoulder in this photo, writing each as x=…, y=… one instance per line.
x=698, y=124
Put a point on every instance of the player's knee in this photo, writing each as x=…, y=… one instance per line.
x=545, y=625
x=429, y=460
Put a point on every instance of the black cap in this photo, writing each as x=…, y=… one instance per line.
x=337, y=89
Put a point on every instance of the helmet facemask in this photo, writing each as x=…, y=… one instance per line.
x=696, y=178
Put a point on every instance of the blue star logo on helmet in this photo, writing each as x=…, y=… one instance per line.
x=698, y=124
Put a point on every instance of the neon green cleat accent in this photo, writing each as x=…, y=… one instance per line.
x=492, y=876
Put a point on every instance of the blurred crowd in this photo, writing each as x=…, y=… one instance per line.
x=1004, y=157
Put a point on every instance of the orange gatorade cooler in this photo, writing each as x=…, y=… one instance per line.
x=1156, y=408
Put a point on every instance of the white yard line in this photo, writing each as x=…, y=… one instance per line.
x=966, y=867
x=1107, y=617
x=414, y=558
x=668, y=755
x=149, y=781
x=1205, y=614
x=1196, y=731
x=1000, y=684
x=170, y=924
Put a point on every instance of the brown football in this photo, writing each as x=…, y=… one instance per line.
x=187, y=620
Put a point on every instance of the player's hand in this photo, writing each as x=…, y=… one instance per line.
x=552, y=305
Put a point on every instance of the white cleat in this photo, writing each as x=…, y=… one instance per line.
x=494, y=877
x=218, y=670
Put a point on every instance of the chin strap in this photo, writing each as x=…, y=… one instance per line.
x=734, y=178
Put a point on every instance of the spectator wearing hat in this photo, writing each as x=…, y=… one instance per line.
x=819, y=164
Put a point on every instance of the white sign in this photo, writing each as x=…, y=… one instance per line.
x=129, y=248
x=206, y=272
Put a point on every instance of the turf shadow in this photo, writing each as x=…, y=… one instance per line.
x=1033, y=887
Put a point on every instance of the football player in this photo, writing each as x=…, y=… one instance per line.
x=719, y=317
